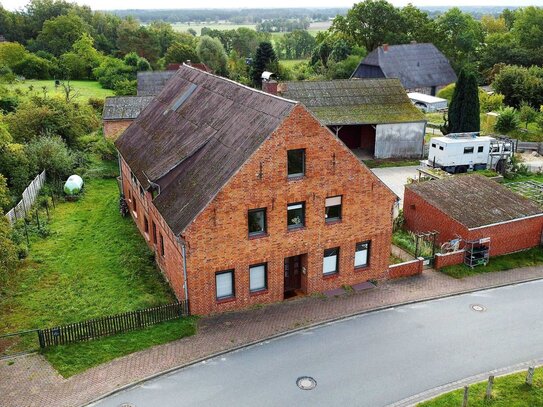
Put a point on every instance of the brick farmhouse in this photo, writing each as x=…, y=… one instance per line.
x=247, y=198
x=473, y=207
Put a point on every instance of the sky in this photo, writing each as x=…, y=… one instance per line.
x=169, y=4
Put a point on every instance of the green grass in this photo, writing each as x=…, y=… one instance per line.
x=86, y=89
x=94, y=263
x=508, y=391
x=390, y=163
x=531, y=257
x=75, y=358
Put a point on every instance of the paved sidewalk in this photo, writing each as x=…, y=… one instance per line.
x=30, y=381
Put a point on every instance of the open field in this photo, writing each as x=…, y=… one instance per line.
x=314, y=28
x=86, y=89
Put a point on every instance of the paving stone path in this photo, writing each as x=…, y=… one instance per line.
x=31, y=381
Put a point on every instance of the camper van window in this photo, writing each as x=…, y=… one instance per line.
x=494, y=149
x=507, y=147
x=468, y=150
x=441, y=147
x=480, y=149
x=434, y=145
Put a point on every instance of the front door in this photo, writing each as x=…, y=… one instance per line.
x=293, y=275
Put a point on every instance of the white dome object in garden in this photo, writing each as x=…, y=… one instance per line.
x=73, y=185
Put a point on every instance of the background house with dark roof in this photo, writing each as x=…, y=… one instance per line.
x=419, y=67
x=473, y=207
x=120, y=111
x=151, y=83
x=373, y=117
x=247, y=198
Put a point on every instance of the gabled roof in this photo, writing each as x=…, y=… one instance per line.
x=151, y=83
x=124, y=107
x=344, y=102
x=194, y=136
x=475, y=200
x=415, y=65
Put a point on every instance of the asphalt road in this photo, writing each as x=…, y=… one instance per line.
x=371, y=360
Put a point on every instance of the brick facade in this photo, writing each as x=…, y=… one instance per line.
x=505, y=238
x=217, y=240
x=114, y=128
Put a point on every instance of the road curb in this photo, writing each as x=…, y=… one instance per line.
x=303, y=328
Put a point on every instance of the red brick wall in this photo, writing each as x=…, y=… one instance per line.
x=114, y=128
x=505, y=238
x=511, y=237
x=171, y=264
x=217, y=240
x=409, y=268
x=448, y=259
x=420, y=216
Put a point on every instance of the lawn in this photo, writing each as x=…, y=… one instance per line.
x=531, y=257
x=86, y=89
x=508, y=391
x=289, y=63
x=94, y=263
x=75, y=358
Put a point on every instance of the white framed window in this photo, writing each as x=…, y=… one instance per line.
x=296, y=215
x=224, y=283
x=362, y=254
x=333, y=208
x=258, y=276
x=330, y=264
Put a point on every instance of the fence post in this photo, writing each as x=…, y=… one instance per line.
x=38, y=219
x=489, y=386
x=26, y=233
x=466, y=393
x=530, y=376
x=41, y=339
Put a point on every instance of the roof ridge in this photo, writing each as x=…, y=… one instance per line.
x=241, y=85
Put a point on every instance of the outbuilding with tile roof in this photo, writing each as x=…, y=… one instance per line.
x=473, y=207
x=120, y=111
x=373, y=117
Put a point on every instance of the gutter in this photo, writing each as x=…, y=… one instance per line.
x=184, y=254
x=505, y=221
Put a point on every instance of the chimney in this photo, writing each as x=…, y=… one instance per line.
x=270, y=86
x=385, y=47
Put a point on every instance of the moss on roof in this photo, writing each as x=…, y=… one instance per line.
x=357, y=101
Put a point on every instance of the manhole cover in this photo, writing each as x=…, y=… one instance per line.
x=306, y=383
x=477, y=307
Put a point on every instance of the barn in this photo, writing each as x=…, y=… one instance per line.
x=373, y=117
x=120, y=111
x=419, y=67
x=483, y=213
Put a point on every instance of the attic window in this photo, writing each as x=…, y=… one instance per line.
x=183, y=98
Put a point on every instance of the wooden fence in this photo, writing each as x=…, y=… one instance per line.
x=110, y=325
x=30, y=194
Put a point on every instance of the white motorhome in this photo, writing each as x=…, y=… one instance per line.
x=460, y=152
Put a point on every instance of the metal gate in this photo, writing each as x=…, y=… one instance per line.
x=425, y=246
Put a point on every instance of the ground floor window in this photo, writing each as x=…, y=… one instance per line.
x=224, y=283
x=146, y=225
x=361, y=255
x=162, y=251
x=330, y=263
x=153, y=226
x=258, y=277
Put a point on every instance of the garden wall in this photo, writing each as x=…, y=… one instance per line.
x=448, y=259
x=406, y=269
